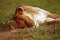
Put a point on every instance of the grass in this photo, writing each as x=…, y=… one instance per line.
x=45, y=32
x=40, y=33
x=7, y=7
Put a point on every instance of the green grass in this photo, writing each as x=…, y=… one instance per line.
x=46, y=32
x=7, y=7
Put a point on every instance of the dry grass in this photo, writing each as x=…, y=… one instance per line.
x=43, y=32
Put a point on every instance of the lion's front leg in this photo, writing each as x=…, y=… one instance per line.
x=52, y=21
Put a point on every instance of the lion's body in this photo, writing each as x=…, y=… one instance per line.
x=28, y=16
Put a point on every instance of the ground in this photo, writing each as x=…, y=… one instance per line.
x=46, y=32
x=43, y=32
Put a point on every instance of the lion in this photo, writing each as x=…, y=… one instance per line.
x=29, y=16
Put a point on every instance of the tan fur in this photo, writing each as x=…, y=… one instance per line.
x=25, y=21
x=53, y=15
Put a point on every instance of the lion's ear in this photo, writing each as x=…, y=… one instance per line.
x=19, y=11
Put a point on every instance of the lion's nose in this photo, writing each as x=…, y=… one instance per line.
x=19, y=11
